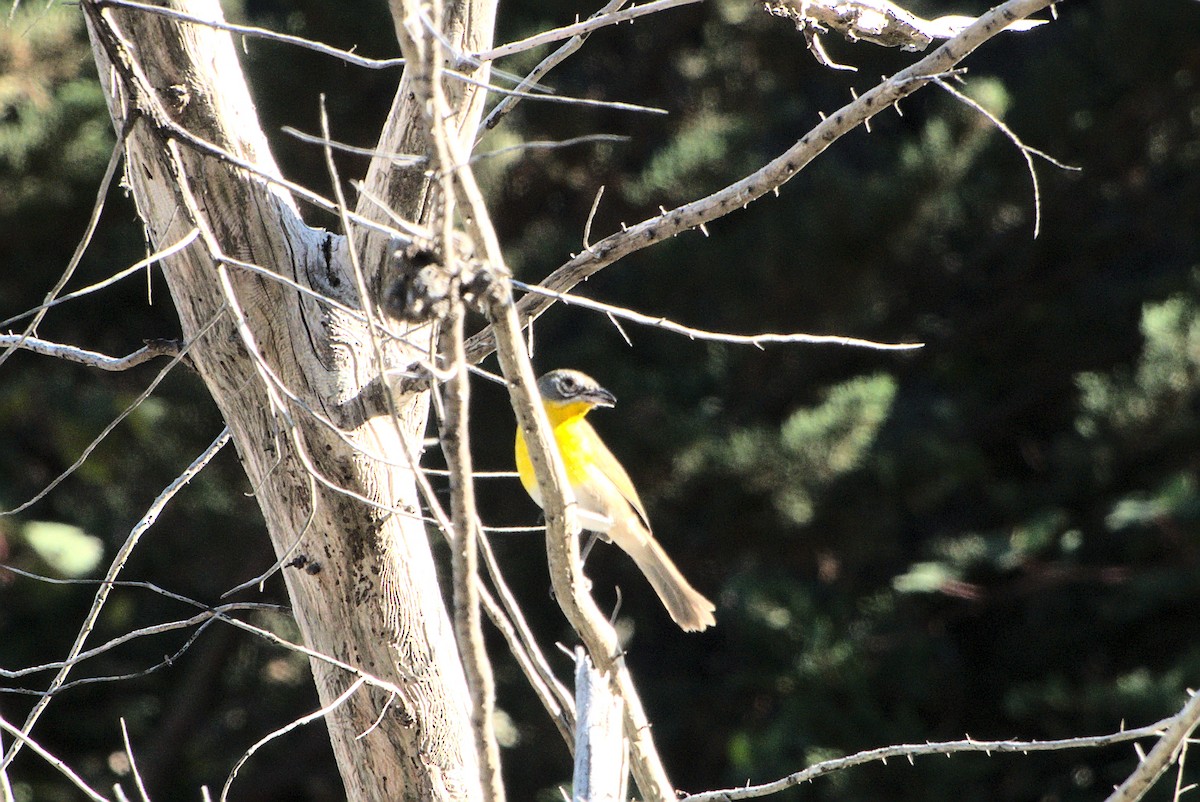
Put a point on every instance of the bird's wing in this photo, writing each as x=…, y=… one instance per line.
x=607, y=465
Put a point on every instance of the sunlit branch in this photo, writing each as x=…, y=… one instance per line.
x=300, y=722
x=911, y=751
x=260, y=33
x=1026, y=152
x=171, y=250
x=757, y=340
x=551, y=61
x=23, y=739
x=92, y=359
x=579, y=28
x=1169, y=748
x=110, y=576
x=772, y=175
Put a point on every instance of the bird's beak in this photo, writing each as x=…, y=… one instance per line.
x=602, y=398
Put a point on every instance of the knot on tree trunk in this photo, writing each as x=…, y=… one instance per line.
x=422, y=283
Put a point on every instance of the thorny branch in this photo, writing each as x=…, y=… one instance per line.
x=911, y=751
x=878, y=21
x=772, y=175
x=1168, y=750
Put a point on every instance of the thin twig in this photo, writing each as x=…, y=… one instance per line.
x=92, y=446
x=535, y=76
x=80, y=248
x=118, y=563
x=137, y=777
x=757, y=340
x=23, y=739
x=587, y=226
x=261, y=33
x=171, y=250
x=579, y=28
x=545, y=144
x=561, y=704
x=6, y=790
x=321, y=713
x=1026, y=151
x=616, y=105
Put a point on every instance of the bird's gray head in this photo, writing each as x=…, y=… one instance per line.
x=571, y=386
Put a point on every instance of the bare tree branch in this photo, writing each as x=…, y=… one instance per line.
x=911, y=751
x=554, y=697
x=133, y=768
x=80, y=249
x=175, y=248
x=316, y=715
x=87, y=451
x=756, y=340
x=1168, y=750
x=539, y=72
x=1026, y=152
x=772, y=175
x=455, y=439
x=262, y=33
x=23, y=739
x=82, y=356
x=880, y=22
x=567, y=31
x=110, y=576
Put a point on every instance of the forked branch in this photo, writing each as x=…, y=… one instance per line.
x=771, y=176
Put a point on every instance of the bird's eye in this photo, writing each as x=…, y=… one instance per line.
x=567, y=384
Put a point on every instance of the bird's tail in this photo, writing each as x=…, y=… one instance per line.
x=687, y=606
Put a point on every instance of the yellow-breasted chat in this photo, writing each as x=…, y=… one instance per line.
x=607, y=501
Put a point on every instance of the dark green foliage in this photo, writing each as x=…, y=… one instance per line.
x=998, y=534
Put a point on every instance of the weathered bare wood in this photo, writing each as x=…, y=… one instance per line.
x=467, y=26
x=296, y=380
x=601, y=751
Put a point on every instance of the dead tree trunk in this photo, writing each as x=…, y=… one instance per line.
x=327, y=449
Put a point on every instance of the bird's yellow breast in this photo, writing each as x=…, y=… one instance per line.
x=576, y=441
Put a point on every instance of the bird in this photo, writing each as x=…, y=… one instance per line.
x=607, y=502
